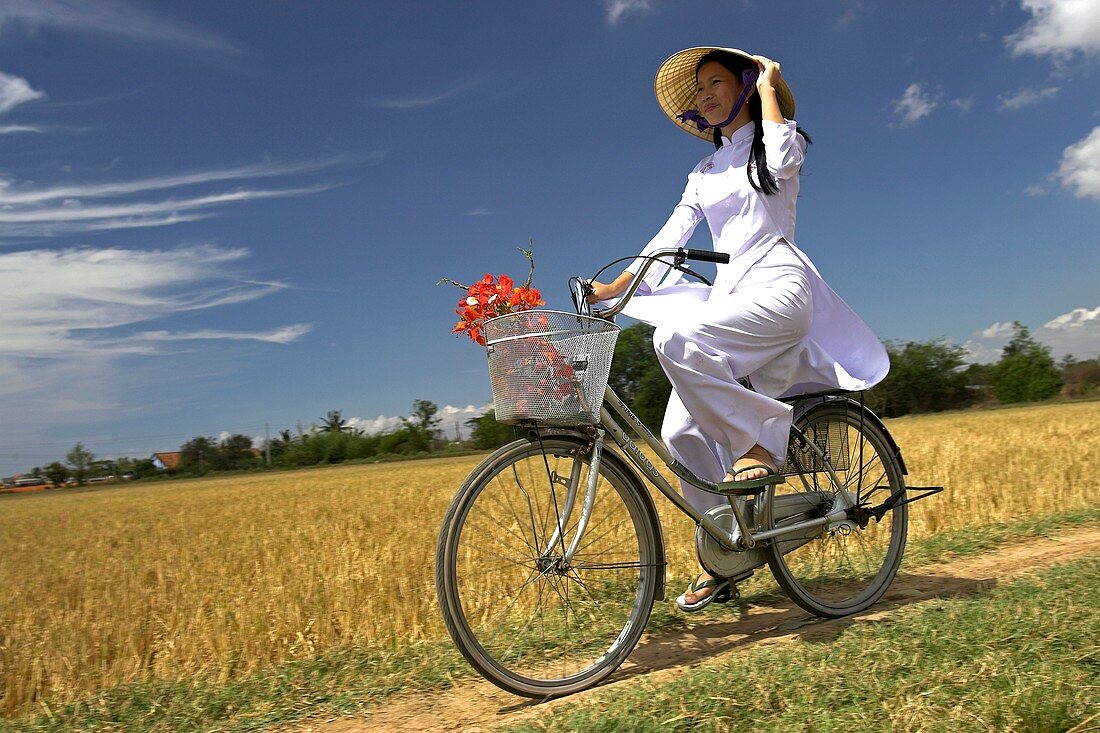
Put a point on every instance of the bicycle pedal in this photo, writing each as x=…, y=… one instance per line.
x=727, y=594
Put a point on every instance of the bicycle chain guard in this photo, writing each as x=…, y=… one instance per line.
x=719, y=561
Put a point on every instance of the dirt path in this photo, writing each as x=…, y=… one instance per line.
x=479, y=706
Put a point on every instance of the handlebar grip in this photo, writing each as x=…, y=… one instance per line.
x=705, y=255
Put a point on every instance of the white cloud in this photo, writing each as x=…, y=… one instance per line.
x=964, y=104
x=283, y=335
x=72, y=212
x=71, y=348
x=62, y=304
x=9, y=129
x=850, y=12
x=1079, y=170
x=15, y=90
x=978, y=352
x=478, y=212
x=434, y=99
x=1076, y=333
x=57, y=209
x=616, y=10
x=110, y=17
x=380, y=424
x=914, y=104
x=1025, y=98
x=997, y=330
x=10, y=195
x=1058, y=28
x=451, y=420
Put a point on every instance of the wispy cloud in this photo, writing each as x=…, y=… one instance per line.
x=9, y=129
x=110, y=17
x=15, y=90
x=1025, y=97
x=1058, y=28
x=11, y=195
x=432, y=99
x=71, y=215
x=963, y=104
x=616, y=10
x=1079, y=170
x=65, y=304
x=914, y=104
x=851, y=11
x=61, y=304
x=52, y=210
x=87, y=334
x=478, y=212
x=283, y=335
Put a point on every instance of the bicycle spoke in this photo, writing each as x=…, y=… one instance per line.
x=526, y=617
x=843, y=568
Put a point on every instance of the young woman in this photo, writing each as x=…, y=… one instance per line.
x=769, y=316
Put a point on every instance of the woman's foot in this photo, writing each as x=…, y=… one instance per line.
x=755, y=456
x=703, y=591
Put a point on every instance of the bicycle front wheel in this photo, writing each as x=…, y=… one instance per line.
x=841, y=569
x=527, y=618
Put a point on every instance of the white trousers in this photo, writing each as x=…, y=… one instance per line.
x=711, y=420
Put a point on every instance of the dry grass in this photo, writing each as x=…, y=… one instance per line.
x=217, y=578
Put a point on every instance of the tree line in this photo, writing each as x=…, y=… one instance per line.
x=332, y=441
x=925, y=376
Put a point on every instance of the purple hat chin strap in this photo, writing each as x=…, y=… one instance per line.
x=693, y=116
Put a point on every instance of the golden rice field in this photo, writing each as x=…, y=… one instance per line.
x=216, y=578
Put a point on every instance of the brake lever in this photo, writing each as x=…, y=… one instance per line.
x=579, y=290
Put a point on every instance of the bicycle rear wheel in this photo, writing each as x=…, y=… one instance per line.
x=527, y=619
x=841, y=569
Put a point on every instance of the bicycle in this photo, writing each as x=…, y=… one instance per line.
x=551, y=555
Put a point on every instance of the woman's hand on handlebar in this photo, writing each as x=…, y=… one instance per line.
x=607, y=291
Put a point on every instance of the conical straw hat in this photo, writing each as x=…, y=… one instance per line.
x=675, y=87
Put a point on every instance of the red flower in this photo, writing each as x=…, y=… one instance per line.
x=490, y=297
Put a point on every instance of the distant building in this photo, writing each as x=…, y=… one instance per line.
x=169, y=460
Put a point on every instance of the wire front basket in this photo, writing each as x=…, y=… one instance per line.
x=550, y=367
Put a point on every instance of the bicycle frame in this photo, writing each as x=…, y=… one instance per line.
x=749, y=536
x=746, y=540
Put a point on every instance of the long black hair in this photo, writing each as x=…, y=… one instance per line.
x=735, y=64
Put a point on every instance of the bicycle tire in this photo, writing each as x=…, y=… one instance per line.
x=524, y=621
x=838, y=571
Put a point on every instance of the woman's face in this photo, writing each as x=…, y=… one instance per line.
x=717, y=89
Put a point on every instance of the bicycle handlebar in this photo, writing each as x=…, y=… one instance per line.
x=706, y=255
x=678, y=254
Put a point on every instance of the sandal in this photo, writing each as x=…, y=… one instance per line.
x=752, y=485
x=721, y=594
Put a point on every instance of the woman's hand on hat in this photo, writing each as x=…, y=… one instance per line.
x=769, y=73
x=766, y=85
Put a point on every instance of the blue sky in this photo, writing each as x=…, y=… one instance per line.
x=216, y=216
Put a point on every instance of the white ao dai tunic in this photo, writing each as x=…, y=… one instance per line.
x=769, y=315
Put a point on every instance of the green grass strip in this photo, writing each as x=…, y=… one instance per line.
x=352, y=680
x=1022, y=657
x=343, y=681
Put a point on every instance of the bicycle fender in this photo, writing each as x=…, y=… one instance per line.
x=802, y=410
